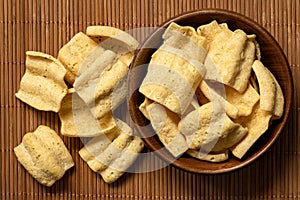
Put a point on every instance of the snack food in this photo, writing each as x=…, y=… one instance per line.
x=171, y=64
x=110, y=155
x=44, y=155
x=236, y=104
x=97, y=69
x=107, y=74
x=74, y=54
x=117, y=40
x=99, y=85
x=230, y=56
x=42, y=85
x=165, y=124
x=257, y=124
x=209, y=128
x=271, y=94
x=78, y=121
x=232, y=96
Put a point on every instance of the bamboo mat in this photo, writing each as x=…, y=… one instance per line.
x=46, y=25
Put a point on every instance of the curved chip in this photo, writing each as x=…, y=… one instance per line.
x=236, y=104
x=257, y=124
x=112, y=38
x=165, y=124
x=229, y=59
x=97, y=145
x=44, y=155
x=210, y=30
x=211, y=157
x=271, y=95
x=74, y=54
x=103, y=86
x=111, y=155
x=128, y=156
x=78, y=121
x=173, y=75
x=159, y=86
x=184, y=42
x=220, y=96
x=245, y=101
x=42, y=85
x=208, y=128
x=279, y=102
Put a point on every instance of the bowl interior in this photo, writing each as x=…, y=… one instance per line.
x=272, y=57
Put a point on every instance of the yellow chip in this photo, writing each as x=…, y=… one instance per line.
x=103, y=86
x=229, y=59
x=128, y=156
x=165, y=124
x=113, y=39
x=111, y=89
x=111, y=76
x=209, y=31
x=245, y=102
x=97, y=145
x=208, y=128
x=78, y=121
x=184, y=42
x=111, y=156
x=116, y=40
x=236, y=104
x=174, y=73
x=271, y=95
x=211, y=94
x=42, y=85
x=102, y=160
x=85, y=84
x=279, y=99
x=44, y=155
x=211, y=157
x=73, y=55
x=257, y=124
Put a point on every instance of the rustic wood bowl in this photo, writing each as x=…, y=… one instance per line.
x=272, y=57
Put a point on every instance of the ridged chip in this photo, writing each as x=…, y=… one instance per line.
x=128, y=156
x=74, y=54
x=257, y=124
x=210, y=30
x=271, y=96
x=229, y=59
x=184, y=42
x=113, y=39
x=219, y=96
x=78, y=121
x=103, y=86
x=42, y=85
x=44, y=155
x=208, y=128
x=165, y=124
x=112, y=155
x=172, y=77
x=236, y=104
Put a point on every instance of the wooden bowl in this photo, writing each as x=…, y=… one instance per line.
x=272, y=57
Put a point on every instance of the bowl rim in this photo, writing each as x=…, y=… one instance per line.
x=288, y=105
